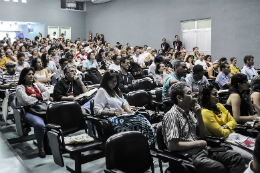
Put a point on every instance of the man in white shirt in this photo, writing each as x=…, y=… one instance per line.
x=138, y=57
x=249, y=69
x=201, y=61
x=116, y=65
x=54, y=36
x=89, y=48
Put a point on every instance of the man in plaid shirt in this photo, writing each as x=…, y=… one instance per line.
x=183, y=128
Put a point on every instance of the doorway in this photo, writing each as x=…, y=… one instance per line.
x=66, y=31
x=197, y=33
x=52, y=29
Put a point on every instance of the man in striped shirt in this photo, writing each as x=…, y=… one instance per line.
x=183, y=128
x=10, y=78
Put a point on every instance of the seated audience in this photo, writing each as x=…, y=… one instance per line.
x=157, y=60
x=190, y=62
x=123, y=53
x=197, y=80
x=110, y=101
x=82, y=55
x=207, y=59
x=217, y=120
x=89, y=48
x=28, y=92
x=160, y=74
x=178, y=57
x=9, y=78
x=239, y=102
x=201, y=61
x=195, y=53
x=150, y=56
x=254, y=165
x=234, y=69
x=100, y=55
x=91, y=62
x=69, y=87
x=183, y=132
x=138, y=58
x=47, y=64
x=223, y=60
x=127, y=82
x=21, y=64
x=179, y=74
x=60, y=74
x=71, y=62
x=9, y=57
x=116, y=65
x=213, y=70
x=42, y=51
x=53, y=56
x=223, y=79
x=107, y=61
x=160, y=53
x=249, y=69
x=22, y=49
x=255, y=91
x=41, y=74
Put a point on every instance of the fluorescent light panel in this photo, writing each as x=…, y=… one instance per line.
x=15, y=0
x=24, y=1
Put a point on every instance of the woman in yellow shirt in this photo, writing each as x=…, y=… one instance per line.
x=217, y=120
x=234, y=69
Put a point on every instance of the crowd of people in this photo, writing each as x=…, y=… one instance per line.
x=191, y=81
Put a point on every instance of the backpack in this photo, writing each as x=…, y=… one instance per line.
x=93, y=75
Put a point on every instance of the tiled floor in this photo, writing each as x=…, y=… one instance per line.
x=28, y=152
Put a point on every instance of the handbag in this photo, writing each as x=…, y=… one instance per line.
x=39, y=109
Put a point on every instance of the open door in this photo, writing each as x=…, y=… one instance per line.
x=52, y=29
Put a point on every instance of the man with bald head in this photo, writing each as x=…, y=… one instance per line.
x=20, y=35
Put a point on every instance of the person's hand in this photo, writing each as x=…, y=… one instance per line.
x=164, y=72
x=225, y=127
x=196, y=108
x=120, y=111
x=190, y=60
x=256, y=107
x=201, y=143
x=125, y=86
x=170, y=70
x=230, y=74
x=33, y=95
x=14, y=84
x=133, y=82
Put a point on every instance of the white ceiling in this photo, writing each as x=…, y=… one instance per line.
x=18, y=23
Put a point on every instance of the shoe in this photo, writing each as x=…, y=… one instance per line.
x=42, y=154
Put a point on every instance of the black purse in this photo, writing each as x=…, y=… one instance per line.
x=39, y=109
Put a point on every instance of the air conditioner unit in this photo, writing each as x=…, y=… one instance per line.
x=100, y=1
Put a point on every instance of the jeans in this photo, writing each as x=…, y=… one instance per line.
x=217, y=162
x=53, y=80
x=39, y=127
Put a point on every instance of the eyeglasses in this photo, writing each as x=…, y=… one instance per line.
x=72, y=71
x=10, y=66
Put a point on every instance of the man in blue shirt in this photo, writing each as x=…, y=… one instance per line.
x=20, y=35
x=249, y=69
x=180, y=71
x=223, y=79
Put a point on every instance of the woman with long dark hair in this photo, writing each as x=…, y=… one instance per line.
x=100, y=55
x=110, y=101
x=239, y=102
x=48, y=64
x=217, y=119
x=41, y=74
x=28, y=93
x=20, y=64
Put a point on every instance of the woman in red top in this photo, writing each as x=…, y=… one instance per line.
x=28, y=93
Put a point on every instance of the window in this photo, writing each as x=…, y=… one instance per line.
x=72, y=5
x=197, y=33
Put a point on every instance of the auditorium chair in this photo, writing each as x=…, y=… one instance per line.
x=129, y=152
x=65, y=118
x=212, y=143
x=145, y=84
x=22, y=126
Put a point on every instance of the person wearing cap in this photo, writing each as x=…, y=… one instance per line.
x=9, y=78
x=213, y=70
x=196, y=80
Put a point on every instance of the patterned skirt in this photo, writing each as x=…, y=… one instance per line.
x=134, y=123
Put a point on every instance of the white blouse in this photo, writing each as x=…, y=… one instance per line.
x=103, y=101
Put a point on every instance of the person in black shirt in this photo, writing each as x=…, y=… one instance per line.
x=135, y=68
x=167, y=60
x=127, y=82
x=58, y=45
x=165, y=46
x=177, y=44
x=68, y=88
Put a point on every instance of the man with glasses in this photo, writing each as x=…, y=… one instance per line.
x=224, y=77
x=127, y=82
x=179, y=74
x=69, y=87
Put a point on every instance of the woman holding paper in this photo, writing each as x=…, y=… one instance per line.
x=110, y=101
x=218, y=121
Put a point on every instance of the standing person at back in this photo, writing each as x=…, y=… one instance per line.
x=177, y=44
x=165, y=46
x=249, y=69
